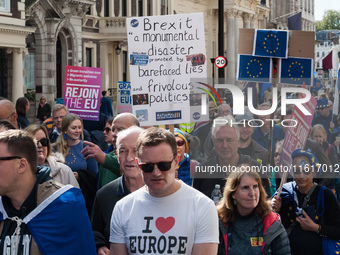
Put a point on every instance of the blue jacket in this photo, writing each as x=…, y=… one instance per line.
x=184, y=170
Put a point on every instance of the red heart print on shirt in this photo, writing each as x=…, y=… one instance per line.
x=164, y=225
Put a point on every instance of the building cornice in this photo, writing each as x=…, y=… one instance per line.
x=16, y=29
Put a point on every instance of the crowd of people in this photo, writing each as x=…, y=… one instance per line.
x=70, y=186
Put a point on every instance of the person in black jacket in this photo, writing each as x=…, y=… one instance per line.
x=307, y=231
x=44, y=110
x=111, y=193
x=21, y=106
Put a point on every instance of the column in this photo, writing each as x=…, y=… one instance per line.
x=237, y=19
x=246, y=20
x=17, y=75
x=104, y=65
x=230, y=44
x=253, y=18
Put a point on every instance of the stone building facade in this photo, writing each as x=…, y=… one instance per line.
x=13, y=33
x=92, y=33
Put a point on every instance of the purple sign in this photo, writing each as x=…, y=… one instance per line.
x=82, y=91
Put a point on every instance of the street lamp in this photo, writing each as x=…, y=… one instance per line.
x=118, y=49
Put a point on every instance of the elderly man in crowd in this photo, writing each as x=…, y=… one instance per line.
x=166, y=210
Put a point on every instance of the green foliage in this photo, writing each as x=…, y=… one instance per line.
x=30, y=95
x=330, y=21
x=318, y=25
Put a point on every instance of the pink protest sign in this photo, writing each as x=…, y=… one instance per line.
x=82, y=91
x=296, y=137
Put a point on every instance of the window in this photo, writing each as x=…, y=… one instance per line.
x=317, y=65
x=149, y=8
x=29, y=65
x=140, y=8
x=164, y=7
x=318, y=54
x=323, y=54
x=106, y=8
x=5, y=5
x=124, y=8
x=88, y=60
x=125, y=65
x=90, y=54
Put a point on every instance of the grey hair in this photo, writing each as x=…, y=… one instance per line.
x=126, y=132
x=227, y=121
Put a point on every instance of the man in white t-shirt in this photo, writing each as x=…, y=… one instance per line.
x=166, y=216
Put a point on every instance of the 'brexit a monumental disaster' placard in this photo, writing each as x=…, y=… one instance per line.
x=164, y=53
x=82, y=91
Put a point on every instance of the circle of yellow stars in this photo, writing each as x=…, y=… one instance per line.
x=297, y=66
x=266, y=39
x=74, y=158
x=256, y=62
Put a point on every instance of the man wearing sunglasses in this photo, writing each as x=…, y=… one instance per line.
x=303, y=218
x=38, y=215
x=166, y=216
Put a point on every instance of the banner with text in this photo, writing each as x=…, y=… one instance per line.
x=164, y=53
x=296, y=136
x=82, y=91
x=124, y=99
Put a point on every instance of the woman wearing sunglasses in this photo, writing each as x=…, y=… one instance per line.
x=183, y=170
x=59, y=171
x=297, y=206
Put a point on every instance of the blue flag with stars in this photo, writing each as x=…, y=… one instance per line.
x=254, y=69
x=296, y=71
x=271, y=43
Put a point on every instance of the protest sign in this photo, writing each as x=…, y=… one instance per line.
x=124, y=99
x=164, y=53
x=296, y=136
x=82, y=91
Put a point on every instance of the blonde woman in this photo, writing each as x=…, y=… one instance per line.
x=70, y=144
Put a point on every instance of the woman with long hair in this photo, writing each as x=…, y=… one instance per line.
x=22, y=106
x=55, y=161
x=70, y=144
x=247, y=224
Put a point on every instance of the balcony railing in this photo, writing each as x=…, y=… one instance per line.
x=109, y=25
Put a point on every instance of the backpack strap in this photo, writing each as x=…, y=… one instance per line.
x=305, y=201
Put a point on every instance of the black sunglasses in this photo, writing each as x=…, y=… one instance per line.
x=107, y=130
x=10, y=158
x=43, y=141
x=162, y=166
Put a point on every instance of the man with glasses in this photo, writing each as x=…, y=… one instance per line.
x=107, y=197
x=8, y=112
x=38, y=215
x=58, y=113
x=225, y=157
x=165, y=216
x=297, y=206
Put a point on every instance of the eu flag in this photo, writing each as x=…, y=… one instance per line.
x=254, y=69
x=271, y=43
x=296, y=71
